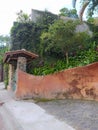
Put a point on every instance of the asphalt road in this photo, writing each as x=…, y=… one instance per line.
x=81, y=115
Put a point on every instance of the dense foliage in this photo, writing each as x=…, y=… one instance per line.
x=72, y=13
x=2, y=52
x=46, y=20
x=62, y=40
x=95, y=33
x=82, y=58
x=4, y=45
x=23, y=17
x=4, y=40
x=26, y=34
x=56, y=41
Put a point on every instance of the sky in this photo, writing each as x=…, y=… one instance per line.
x=10, y=8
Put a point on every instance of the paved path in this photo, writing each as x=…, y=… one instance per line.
x=2, y=125
x=22, y=115
x=82, y=115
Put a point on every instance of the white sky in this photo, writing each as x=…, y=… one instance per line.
x=9, y=8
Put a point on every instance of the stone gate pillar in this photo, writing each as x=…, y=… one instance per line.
x=1, y=72
x=17, y=59
x=21, y=63
x=11, y=73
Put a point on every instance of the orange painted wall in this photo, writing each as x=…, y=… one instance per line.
x=75, y=83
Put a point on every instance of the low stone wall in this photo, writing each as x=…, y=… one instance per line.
x=75, y=83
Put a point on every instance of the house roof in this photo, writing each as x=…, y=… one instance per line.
x=12, y=56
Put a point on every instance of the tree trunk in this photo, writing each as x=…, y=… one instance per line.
x=67, y=58
x=82, y=10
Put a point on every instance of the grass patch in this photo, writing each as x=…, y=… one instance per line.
x=37, y=100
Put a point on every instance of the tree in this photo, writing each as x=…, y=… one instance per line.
x=4, y=46
x=26, y=34
x=91, y=4
x=68, y=13
x=22, y=17
x=59, y=38
x=92, y=7
x=2, y=51
x=62, y=39
x=4, y=41
x=95, y=34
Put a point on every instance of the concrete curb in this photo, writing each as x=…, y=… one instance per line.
x=9, y=120
x=31, y=116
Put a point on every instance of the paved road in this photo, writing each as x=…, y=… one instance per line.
x=23, y=115
x=2, y=125
x=19, y=115
x=81, y=115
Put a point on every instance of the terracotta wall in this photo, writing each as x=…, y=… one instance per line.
x=76, y=83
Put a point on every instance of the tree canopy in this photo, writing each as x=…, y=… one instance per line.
x=23, y=17
x=92, y=6
x=4, y=45
x=68, y=13
x=61, y=39
x=26, y=34
x=4, y=40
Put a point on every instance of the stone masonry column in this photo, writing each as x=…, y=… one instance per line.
x=11, y=72
x=21, y=63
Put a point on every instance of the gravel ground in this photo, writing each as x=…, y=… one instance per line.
x=81, y=115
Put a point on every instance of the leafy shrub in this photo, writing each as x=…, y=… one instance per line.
x=82, y=58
